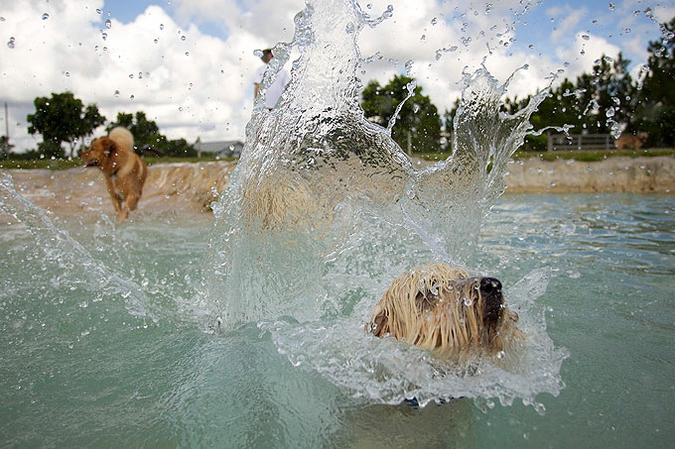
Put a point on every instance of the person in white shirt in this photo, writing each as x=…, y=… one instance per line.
x=275, y=90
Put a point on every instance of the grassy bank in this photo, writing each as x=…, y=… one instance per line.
x=63, y=164
x=578, y=155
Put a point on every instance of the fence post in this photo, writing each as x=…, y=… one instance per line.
x=549, y=141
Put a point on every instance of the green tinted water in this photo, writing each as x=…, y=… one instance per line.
x=81, y=365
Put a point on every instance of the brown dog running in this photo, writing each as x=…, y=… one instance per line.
x=123, y=169
x=440, y=308
x=631, y=141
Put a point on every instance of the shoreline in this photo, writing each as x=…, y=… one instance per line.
x=612, y=175
x=193, y=186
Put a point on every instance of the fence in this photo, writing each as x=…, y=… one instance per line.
x=580, y=142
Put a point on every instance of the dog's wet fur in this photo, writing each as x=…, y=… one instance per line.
x=124, y=171
x=442, y=309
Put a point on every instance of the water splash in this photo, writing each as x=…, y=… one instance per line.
x=324, y=209
x=60, y=249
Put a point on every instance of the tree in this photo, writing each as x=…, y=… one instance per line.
x=418, y=125
x=596, y=103
x=146, y=132
x=5, y=147
x=92, y=119
x=62, y=118
x=611, y=89
x=178, y=148
x=147, y=136
x=656, y=98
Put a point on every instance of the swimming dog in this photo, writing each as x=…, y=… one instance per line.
x=442, y=309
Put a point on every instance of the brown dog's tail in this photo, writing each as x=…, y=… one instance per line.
x=123, y=138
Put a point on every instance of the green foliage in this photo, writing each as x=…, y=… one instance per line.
x=5, y=147
x=62, y=118
x=418, y=125
x=656, y=99
x=148, y=139
x=146, y=132
x=177, y=148
x=608, y=99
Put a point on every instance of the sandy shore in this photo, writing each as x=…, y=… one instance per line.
x=185, y=186
x=613, y=175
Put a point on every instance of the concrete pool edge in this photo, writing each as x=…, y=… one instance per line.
x=193, y=186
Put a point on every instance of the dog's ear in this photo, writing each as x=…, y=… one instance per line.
x=378, y=325
x=426, y=300
x=108, y=146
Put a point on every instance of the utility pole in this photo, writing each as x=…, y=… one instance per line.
x=6, y=123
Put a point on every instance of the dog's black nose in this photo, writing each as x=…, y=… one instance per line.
x=490, y=286
x=491, y=292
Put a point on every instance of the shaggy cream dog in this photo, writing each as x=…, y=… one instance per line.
x=440, y=308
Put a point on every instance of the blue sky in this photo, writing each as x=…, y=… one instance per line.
x=189, y=63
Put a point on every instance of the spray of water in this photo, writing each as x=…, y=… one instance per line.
x=324, y=210
x=60, y=249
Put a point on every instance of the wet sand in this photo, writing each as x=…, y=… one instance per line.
x=184, y=187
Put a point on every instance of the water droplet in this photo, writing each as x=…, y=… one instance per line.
x=117, y=93
x=183, y=38
x=45, y=16
x=66, y=74
x=98, y=11
x=389, y=12
x=539, y=407
x=467, y=302
x=11, y=41
x=161, y=26
x=108, y=24
x=585, y=37
x=131, y=76
x=104, y=35
x=132, y=97
x=612, y=6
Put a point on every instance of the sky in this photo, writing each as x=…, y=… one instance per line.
x=189, y=64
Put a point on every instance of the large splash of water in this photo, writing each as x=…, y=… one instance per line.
x=324, y=210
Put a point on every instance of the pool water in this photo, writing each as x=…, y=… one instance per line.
x=105, y=342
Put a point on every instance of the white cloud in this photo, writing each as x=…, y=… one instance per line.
x=190, y=83
x=195, y=84
x=566, y=21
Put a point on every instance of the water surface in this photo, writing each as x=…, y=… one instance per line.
x=87, y=361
